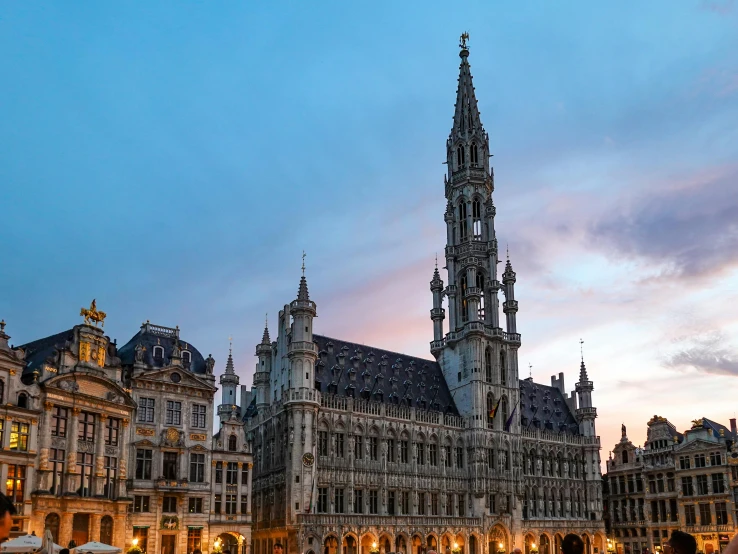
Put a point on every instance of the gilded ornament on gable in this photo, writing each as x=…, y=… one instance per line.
x=100, y=356
x=697, y=423
x=84, y=351
x=93, y=315
x=172, y=434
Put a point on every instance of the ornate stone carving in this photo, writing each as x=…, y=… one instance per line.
x=145, y=432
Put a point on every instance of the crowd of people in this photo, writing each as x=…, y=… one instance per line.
x=679, y=542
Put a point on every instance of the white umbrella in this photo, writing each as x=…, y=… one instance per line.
x=28, y=543
x=95, y=547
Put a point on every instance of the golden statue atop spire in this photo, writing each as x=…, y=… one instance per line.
x=462, y=41
x=93, y=315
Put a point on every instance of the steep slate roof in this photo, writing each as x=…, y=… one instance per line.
x=546, y=406
x=401, y=377
x=152, y=338
x=39, y=351
x=716, y=427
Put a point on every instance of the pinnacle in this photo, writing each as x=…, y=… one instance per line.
x=302, y=292
x=229, y=365
x=265, y=338
x=583, y=378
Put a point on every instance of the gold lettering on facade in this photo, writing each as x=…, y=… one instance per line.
x=145, y=432
x=84, y=351
x=198, y=437
x=101, y=356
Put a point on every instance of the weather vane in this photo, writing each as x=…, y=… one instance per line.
x=463, y=39
x=581, y=349
x=230, y=344
x=530, y=370
x=303, y=262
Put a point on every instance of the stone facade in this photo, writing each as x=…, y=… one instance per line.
x=117, y=445
x=677, y=481
x=359, y=449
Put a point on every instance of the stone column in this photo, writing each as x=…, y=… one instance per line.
x=72, y=478
x=238, y=496
x=119, y=531
x=99, y=478
x=95, y=520
x=6, y=434
x=65, y=529
x=251, y=473
x=123, y=449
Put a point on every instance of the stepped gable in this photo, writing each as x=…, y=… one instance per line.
x=349, y=369
x=545, y=408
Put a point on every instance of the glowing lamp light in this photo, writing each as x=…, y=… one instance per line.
x=374, y=545
x=533, y=545
x=456, y=545
x=135, y=542
x=500, y=545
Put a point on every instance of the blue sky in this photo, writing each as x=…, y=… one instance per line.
x=173, y=160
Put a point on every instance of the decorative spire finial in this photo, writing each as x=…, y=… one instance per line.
x=530, y=370
x=2, y=326
x=462, y=40
x=303, y=262
x=230, y=345
x=507, y=250
x=581, y=349
x=436, y=260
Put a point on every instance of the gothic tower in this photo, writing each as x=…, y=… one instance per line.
x=301, y=403
x=478, y=358
x=229, y=385
x=586, y=414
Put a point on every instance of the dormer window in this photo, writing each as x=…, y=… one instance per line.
x=186, y=357
x=23, y=400
x=158, y=353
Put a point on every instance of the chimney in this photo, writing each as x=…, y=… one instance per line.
x=732, y=428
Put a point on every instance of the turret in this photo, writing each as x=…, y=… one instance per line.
x=302, y=351
x=586, y=413
x=263, y=370
x=510, y=307
x=438, y=314
x=229, y=385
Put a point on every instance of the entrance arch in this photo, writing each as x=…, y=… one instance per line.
x=544, y=544
x=530, y=543
x=401, y=544
x=587, y=544
x=228, y=543
x=349, y=544
x=498, y=540
x=330, y=545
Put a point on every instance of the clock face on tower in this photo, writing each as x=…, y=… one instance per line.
x=308, y=459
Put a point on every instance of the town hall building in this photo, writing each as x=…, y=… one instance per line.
x=360, y=450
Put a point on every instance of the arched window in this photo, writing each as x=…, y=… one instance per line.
x=474, y=154
x=186, y=360
x=2, y=391
x=488, y=364
x=625, y=457
x=464, y=306
x=480, y=286
x=462, y=220
x=52, y=524
x=106, y=530
x=158, y=353
x=477, y=219
x=460, y=161
x=232, y=443
x=503, y=368
x=490, y=407
x=23, y=400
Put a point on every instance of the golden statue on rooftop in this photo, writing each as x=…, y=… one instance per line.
x=462, y=41
x=93, y=315
x=697, y=423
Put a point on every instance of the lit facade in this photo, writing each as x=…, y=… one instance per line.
x=358, y=449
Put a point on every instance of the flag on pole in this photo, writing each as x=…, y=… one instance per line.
x=509, y=421
x=493, y=411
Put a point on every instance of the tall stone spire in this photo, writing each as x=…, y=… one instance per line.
x=466, y=112
x=265, y=337
x=302, y=292
x=583, y=377
x=229, y=364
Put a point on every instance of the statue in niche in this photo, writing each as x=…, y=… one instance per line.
x=139, y=353
x=176, y=350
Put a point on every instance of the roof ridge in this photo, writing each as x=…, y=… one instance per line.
x=375, y=348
